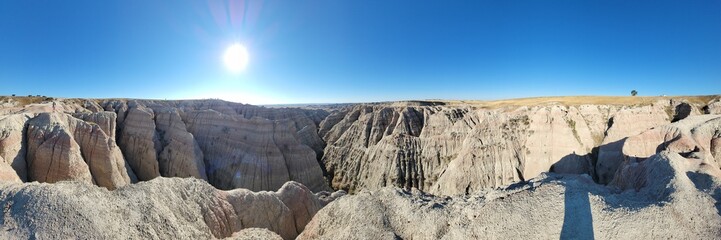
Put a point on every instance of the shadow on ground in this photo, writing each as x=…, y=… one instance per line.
x=577, y=217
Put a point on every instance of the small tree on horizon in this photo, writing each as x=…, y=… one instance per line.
x=634, y=93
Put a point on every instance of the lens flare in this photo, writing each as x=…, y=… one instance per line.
x=236, y=58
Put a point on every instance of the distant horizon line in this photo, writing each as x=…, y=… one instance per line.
x=381, y=101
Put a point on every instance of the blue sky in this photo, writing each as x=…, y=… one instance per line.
x=359, y=51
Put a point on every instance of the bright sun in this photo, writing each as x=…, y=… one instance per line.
x=236, y=58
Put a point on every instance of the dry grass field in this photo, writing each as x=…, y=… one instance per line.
x=25, y=100
x=580, y=100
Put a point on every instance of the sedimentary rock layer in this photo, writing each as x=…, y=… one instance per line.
x=61, y=147
x=440, y=147
x=230, y=145
x=656, y=158
x=13, y=146
x=459, y=149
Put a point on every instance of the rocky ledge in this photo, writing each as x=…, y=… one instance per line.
x=163, y=208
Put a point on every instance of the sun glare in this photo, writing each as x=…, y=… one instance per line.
x=236, y=58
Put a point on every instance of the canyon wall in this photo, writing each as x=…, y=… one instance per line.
x=204, y=168
x=452, y=150
x=668, y=183
x=441, y=147
x=112, y=143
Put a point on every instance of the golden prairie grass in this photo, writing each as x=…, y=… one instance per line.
x=581, y=100
x=24, y=100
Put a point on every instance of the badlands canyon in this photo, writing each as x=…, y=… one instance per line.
x=537, y=168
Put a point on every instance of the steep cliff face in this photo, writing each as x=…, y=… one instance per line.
x=228, y=144
x=255, y=153
x=443, y=148
x=659, y=150
x=624, y=123
x=140, y=142
x=460, y=149
x=181, y=155
x=13, y=145
x=231, y=145
x=61, y=147
x=235, y=146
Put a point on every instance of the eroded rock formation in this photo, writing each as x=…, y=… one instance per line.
x=659, y=150
x=13, y=146
x=181, y=155
x=252, y=153
x=437, y=147
x=230, y=145
x=452, y=150
x=61, y=147
x=549, y=207
x=164, y=208
x=140, y=142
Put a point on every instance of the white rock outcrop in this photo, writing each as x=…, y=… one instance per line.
x=459, y=149
x=62, y=147
x=164, y=208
